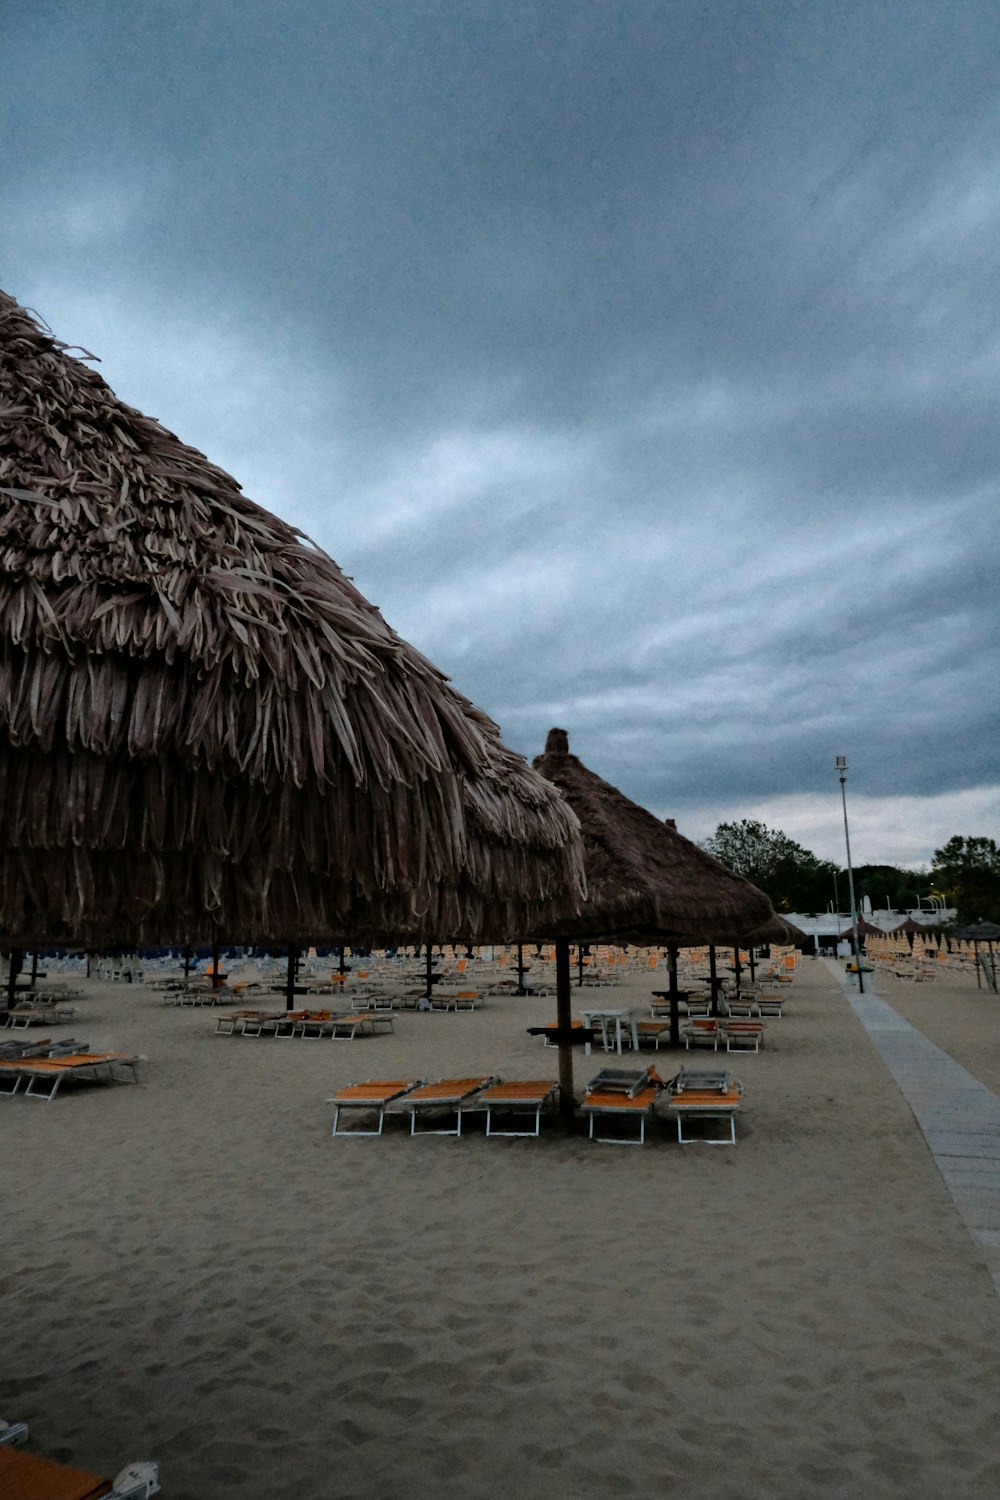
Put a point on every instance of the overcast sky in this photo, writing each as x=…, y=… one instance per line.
x=639, y=360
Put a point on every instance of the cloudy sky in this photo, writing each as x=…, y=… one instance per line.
x=639, y=360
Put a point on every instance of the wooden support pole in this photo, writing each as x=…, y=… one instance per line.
x=675, y=1018
x=567, y=1101
x=520, y=969
x=713, y=980
x=290, y=978
x=429, y=986
x=216, y=961
x=15, y=961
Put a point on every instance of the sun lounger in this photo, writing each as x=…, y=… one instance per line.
x=652, y=1033
x=451, y=1094
x=42, y=1076
x=517, y=1098
x=26, y=1476
x=769, y=1003
x=363, y=1023
x=744, y=1005
x=623, y=1093
x=249, y=1023
x=24, y=1016
x=742, y=1036
x=456, y=1000
x=701, y=1031
x=376, y=1094
x=705, y=1096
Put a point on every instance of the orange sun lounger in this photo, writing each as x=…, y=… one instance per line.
x=711, y=1096
x=450, y=1094
x=26, y=1476
x=376, y=1094
x=42, y=1076
x=628, y=1093
x=517, y=1098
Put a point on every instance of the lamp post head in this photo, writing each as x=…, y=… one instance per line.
x=841, y=763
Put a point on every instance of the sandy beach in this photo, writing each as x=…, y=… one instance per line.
x=194, y=1271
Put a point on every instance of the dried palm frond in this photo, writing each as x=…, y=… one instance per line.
x=204, y=726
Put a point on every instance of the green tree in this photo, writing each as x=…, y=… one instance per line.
x=882, y=884
x=793, y=877
x=966, y=872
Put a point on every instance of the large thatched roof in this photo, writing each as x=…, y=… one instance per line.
x=204, y=727
x=645, y=881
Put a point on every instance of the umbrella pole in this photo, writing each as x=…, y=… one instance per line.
x=34, y=970
x=15, y=961
x=713, y=980
x=979, y=977
x=290, y=979
x=342, y=967
x=430, y=976
x=737, y=970
x=216, y=981
x=675, y=1019
x=579, y=966
x=753, y=971
x=520, y=969
x=567, y=1102
x=187, y=963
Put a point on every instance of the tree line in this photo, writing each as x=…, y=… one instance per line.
x=964, y=873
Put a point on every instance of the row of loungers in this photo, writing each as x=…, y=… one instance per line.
x=38, y=1072
x=310, y=1024
x=739, y=1035
x=619, y=1094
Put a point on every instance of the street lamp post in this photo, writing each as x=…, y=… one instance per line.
x=855, y=940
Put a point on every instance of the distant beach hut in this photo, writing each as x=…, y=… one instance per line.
x=646, y=883
x=206, y=730
x=986, y=933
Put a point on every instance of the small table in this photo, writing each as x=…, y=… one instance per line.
x=599, y=1019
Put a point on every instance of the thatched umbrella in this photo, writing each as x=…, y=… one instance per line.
x=976, y=933
x=205, y=728
x=646, y=883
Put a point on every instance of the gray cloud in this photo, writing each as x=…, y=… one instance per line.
x=640, y=362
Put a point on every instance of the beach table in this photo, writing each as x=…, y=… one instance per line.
x=614, y=1021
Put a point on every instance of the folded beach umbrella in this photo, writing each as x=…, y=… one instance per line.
x=646, y=883
x=205, y=729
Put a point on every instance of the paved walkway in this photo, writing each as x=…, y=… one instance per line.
x=958, y=1115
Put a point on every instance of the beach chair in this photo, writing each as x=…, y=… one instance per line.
x=652, y=1033
x=450, y=1094
x=742, y=1036
x=622, y=1093
x=25, y=1476
x=41, y=1077
x=363, y=1023
x=744, y=1004
x=517, y=1098
x=377, y=1094
x=703, y=1095
x=701, y=1031
x=769, y=1003
x=24, y=1016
